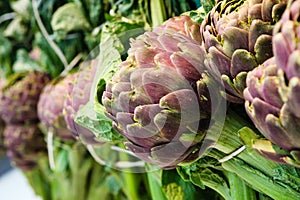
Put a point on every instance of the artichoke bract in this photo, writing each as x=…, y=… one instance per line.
x=24, y=143
x=272, y=93
x=158, y=99
x=78, y=94
x=238, y=37
x=20, y=96
x=51, y=104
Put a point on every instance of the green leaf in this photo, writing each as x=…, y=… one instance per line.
x=98, y=123
x=203, y=174
x=67, y=18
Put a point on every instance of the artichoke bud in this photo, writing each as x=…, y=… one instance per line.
x=238, y=37
x=51, y=103
x=78, y=95
x=272, y=93
x=24, y=144
x=20, y=96
x=158, y=99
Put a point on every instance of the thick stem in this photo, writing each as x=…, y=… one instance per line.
x=238, y=188
x=255, y=170
x=158, y=13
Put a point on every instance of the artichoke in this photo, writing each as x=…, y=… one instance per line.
x=237, y=35
x=51, y=104
x=78, y=95
x=272, y=93
x=20, y=96
x=158, y=99
x=24, y=144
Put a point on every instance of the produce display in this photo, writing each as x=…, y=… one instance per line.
x=139, y=99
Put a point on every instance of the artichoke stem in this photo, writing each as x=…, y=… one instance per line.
x=238, y=188
x=158, y=13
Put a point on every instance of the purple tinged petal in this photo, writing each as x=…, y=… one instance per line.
x=184, y=102
x=234, y=38
x=282, y=50
x=263, y=48
x=267, y=10
x=145, y=57
x=293, y=100
x=242, y=60
x=145, y=114
x=168, y=42
x=258, y=111
x=270, y=91
x=185, y=68
x=247, y=95
x=170, y=154
x=163, y=59
x=291, y=124
x=218, y=60
x=144, y=137
x=169, y=124
x=128, y=100
x=255, y=11
x=194, y=53
x=123, y=119
x=159, y=82
x=210, y=40
x=280, y=135
x=293, y=65
x=120, y=87
x=258, y=28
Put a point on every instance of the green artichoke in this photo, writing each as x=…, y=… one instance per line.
x=158, y=99
x=20, y=96
x=24, y=144
x=78, y=94
x=237, y=35
x=51, y=104
x=272, y=93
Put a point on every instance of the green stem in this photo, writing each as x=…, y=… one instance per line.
x=81, y=166
x=132, y=185
x=158, y=12
x=255, y=170
x=239, y=189
x=256, y=178
x=155, y=186
x=261, y=183
x=131, y=181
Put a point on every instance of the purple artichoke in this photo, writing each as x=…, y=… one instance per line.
x=78, y=94
x=20, y=96
x=238, y=37
x=272, y=93
x=24, y=144
x=158, y=99
x=51, y=104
